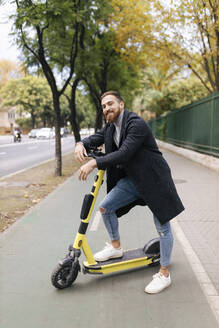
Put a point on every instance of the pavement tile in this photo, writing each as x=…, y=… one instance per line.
x=215, y=301
x=209, y=289
x=200, y=220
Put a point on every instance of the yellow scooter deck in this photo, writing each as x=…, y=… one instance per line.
x=131, y=259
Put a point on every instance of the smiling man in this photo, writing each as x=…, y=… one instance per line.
x=112, y=107
x=137, y=174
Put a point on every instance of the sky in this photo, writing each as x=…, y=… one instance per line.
x=7, y=50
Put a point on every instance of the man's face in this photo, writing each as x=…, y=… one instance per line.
x=112, y=107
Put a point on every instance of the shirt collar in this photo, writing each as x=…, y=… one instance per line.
x=118, y=121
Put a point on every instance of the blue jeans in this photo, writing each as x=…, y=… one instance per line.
x=122, y=194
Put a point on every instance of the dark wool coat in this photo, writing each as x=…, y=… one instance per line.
x=139, y=158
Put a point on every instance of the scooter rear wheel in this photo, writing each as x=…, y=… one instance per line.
x=60, y=276
x=152, y=249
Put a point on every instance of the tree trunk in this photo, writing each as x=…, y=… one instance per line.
x=33, y=120
x=99, y=118
x=96, y=100
x=99, y=112
x=73, y=117
x=58, y=150
x=75, y=127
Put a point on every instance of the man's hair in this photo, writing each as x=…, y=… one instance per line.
x=113, y=93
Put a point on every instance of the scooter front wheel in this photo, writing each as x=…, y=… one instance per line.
x=62, y=277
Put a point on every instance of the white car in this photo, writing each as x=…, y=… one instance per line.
x=45, y=133
x=64, y=132
x=86, y=132
x=32, y=133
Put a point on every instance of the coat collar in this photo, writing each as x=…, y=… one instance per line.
x=123, y=127
x=111, y=131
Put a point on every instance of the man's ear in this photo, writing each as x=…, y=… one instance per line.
x=122, y=104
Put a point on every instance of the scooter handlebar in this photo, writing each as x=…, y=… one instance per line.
x=95, y=152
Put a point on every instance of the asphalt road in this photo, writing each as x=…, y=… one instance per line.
x=19, y=156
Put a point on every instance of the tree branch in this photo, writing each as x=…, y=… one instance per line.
x=23, y=36
x=73, y=56
x=204, y=52
x=193, y=70
x=45, y=66
x=209, y=40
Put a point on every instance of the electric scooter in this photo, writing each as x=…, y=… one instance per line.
x=66, y=272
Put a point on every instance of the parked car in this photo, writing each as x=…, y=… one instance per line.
x=64, y=132
x=86, y=131
x=45, y=133
x=32, y=133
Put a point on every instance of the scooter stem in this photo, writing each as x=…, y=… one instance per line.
x=87, y=209
x=94, y=192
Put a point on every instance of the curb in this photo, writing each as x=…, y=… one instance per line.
x=205, y=160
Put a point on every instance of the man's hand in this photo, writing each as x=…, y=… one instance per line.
x=86, y=169
x=80, y=152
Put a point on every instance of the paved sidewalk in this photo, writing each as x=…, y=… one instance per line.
x=199, y=188
x=32, y=247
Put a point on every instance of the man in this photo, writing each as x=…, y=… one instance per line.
x=17, y=134
x=137, y=173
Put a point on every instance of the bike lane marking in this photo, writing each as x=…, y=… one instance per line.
x=198, y=269
x=96, y=221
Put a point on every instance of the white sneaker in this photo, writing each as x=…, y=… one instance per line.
x=109, y=252
x=158, y=283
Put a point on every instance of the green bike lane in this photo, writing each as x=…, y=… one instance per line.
x=31, y=248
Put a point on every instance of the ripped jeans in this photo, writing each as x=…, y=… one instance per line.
x=122, y=194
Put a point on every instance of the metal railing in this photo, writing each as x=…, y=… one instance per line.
x=195, y=126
